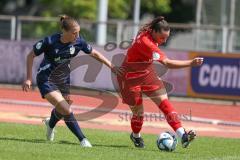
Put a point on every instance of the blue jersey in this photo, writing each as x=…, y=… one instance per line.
x=54, y=69
x=57, y=53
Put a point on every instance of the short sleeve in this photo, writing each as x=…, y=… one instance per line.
x=40, y=46
x=152, y=50
x=86, y=48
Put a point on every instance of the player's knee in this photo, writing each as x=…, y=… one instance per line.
x=140, y=113
x=69, y=101
x=64, y=108
x=137, y=111
x=67, y=111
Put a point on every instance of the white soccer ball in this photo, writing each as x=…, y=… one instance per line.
x=167, y=141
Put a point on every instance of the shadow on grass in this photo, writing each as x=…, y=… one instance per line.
x=57, y=142
x=67, y=142
x=112, y=146
x=35, y=141
x=77, y=144
x=94, y=145
x=23, y=140
x=124, y=147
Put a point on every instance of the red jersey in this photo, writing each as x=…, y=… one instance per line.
x=139, y=75
x=144, y=49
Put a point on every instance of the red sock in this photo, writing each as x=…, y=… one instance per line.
x=136, y=123
x=170, y=114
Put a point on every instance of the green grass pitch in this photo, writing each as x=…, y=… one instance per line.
x=18, y=141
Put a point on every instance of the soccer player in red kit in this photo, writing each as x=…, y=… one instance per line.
x=140, y=77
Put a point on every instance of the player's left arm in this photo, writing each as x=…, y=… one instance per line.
x=175, y=64
x=158, y=55
x=99, y=57
x=88, y=49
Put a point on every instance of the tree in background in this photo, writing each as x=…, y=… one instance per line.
x=119, y=9
x=174, y=10
x=79, y=9
x=182, y=11
x=155, y=7
x=123, y=9
x=2, y=4
x=85, y=9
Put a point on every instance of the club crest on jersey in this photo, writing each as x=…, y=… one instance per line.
x=57, y=59
x=72, y=50
x=155, y=56
x=38, y=45
x=89, y=47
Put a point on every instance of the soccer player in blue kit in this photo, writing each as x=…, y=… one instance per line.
x=58, y=50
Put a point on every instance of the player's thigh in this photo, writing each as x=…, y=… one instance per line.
x=56, y=99
x=158, y=96
x=154, y=88
x=68, y=99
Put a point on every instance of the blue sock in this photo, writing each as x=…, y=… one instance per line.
x=72, y=124
x=55, y=117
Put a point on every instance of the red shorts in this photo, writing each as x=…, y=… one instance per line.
x=133, y=84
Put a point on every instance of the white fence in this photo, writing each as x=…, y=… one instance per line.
x=211, y=38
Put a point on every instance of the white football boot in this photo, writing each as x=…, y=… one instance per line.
x=85, y=143
x=49, y=131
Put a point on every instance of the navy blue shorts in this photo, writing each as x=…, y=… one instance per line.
x=47, y=87
x=48, y=82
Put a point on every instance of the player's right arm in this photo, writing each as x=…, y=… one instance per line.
x=38, y=49
x=28, y=82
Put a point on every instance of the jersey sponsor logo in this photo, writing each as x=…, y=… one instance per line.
x=57, y=59
x=72, y=50
x=39, y=45
x=156, y=56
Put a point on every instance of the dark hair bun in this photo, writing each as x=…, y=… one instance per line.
x=160, y=18
x=62, y=17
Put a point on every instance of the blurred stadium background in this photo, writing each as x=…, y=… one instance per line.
x=202, y=25
x=207, y=97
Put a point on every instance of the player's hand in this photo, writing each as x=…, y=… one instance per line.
x=118, y=70
x=26, y=85
x=198, y=61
